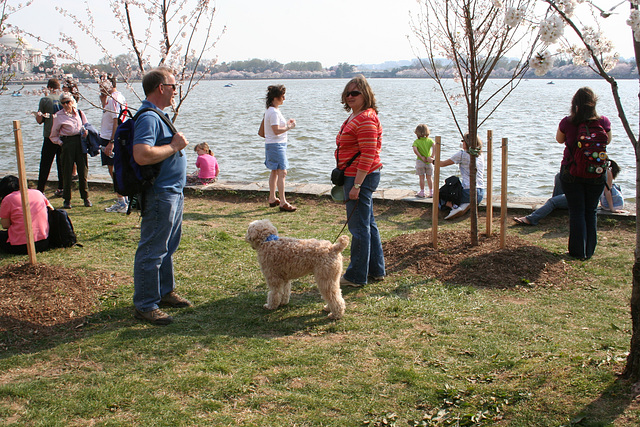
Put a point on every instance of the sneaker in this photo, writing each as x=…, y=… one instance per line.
x=122, y=208
x=119, y=206
x=113, y=207
x=172, y=299
x=430, y=194
x=66, y=205
x=376, y=278
x=458, y=211
x=58, y=193
x=87, y=203
x=345, y=282
x=155, y=317
x=420, y=194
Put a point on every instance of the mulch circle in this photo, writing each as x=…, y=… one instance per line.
x=455, y=261
x=37, y=299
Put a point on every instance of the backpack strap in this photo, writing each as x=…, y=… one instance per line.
x=160, y=114
x=123, y=114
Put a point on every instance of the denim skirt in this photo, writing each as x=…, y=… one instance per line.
x=276, y=156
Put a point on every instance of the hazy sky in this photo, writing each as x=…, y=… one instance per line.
x=329, y=31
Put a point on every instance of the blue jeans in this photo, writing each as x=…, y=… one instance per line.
x=466, y=195
x=160, y=232
x=582, y=198
x=556, y=202
x=367, y=258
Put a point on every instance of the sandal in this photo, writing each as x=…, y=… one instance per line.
x=521, y=221
x=274, y=204
x=288, y=208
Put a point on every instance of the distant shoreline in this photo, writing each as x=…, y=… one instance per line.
x=367, y=75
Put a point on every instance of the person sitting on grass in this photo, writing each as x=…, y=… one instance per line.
x=13, y=239
x=463, y=159
x=557, y=201
x=611, y=196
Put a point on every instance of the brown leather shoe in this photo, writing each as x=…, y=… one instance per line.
x=155, y=317
x=172, y=299
x=345, y=282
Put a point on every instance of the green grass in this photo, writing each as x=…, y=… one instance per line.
x=409, y=351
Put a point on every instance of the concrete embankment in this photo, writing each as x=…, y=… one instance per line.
x=515, y=204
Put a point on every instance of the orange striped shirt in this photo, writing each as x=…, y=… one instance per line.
x=362, y=134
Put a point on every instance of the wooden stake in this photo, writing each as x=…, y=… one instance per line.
x=503, y=197
x=26, y=207
x=436, y=193
x=489, y=198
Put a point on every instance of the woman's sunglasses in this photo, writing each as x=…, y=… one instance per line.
x=354, y=93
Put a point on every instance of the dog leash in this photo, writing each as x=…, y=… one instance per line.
x=347, y=222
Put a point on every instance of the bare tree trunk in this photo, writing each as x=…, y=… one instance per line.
x=473, y=201
x=632, y=370
x=472, y=140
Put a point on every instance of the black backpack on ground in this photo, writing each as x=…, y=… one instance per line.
x=451, y=191
x=61, y=233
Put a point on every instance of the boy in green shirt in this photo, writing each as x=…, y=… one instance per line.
x=424, y=161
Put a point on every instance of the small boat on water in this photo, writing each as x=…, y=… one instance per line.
x=229, y=85
x=16, y=94
x=550, y=83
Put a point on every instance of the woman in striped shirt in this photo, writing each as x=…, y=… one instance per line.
x=360, y=139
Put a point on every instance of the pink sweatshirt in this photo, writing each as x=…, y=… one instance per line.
x=208, y=166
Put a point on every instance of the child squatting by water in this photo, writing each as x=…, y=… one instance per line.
x=207, y=166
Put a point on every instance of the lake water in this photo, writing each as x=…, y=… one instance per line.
x=227, y=118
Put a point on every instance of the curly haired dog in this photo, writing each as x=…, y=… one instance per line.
x=283, y=259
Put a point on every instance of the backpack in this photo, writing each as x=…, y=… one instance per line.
x=129, y=178
x=56, y=106
x=451, y=191
x=590, y=158
x=61, y=234
x=124, y=112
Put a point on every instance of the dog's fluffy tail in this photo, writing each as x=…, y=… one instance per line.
x=342, y=243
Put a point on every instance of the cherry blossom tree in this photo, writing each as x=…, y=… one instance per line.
x=473, y=36
x=455, y=30
x=594, y=51
x=172, y=33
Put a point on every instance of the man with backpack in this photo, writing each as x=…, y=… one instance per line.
x=113, y=103
x=47, y=107
x=154, y=143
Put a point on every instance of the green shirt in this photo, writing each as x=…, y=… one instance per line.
x=424, y=146
x=49, y=104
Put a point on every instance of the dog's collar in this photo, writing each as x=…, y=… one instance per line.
x=271, y=237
